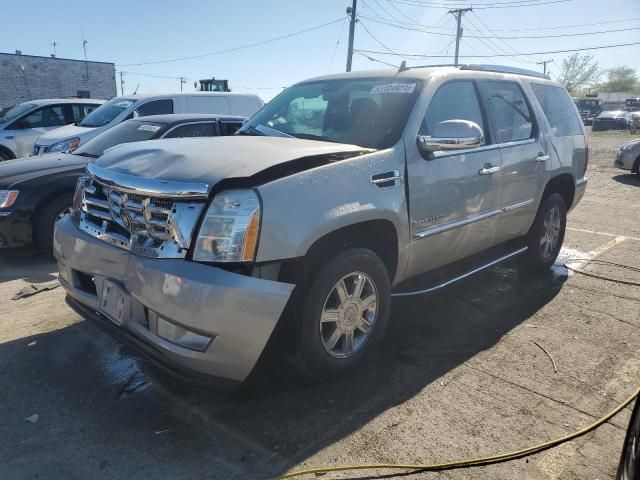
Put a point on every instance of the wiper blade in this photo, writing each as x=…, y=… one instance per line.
x=311, y=136
x=263, y=130
x=84, y=154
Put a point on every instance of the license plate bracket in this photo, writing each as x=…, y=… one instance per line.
x=114, y=302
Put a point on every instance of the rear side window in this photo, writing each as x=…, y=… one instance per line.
x=229, y=128
x=559, y=110
x=157, y=107
x=456, y=100
x=81, y=111
x=509, y=110
x=193, y=130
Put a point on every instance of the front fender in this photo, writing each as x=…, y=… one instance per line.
x=300, y=209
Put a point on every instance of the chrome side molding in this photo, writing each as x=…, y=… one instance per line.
x=464, y=275
x=427, y=232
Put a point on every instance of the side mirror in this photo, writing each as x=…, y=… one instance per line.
x=451, y=135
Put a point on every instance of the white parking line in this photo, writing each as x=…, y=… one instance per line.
x=606, y=234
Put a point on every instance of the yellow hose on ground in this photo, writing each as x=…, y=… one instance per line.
x=473, y=462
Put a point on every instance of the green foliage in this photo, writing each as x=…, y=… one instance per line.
x=620, y=79
x=579, y=72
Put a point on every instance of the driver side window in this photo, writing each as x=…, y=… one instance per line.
x=455, y=100
x=45, y=117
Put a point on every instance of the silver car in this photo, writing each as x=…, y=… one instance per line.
x=22, y=124
x=342, y=192
x=628, y=156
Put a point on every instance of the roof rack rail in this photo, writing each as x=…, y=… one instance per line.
x=491, y=68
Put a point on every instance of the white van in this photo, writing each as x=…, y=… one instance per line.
x=119, y=109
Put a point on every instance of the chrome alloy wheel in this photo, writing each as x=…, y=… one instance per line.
x=349, y=315
x=550, y=232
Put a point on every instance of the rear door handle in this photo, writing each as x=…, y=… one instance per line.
x=489, y=170
x=541, y=158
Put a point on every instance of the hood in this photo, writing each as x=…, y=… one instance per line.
x=631, y=144
x=64, y=133
x=612, y=114
x=209, y=160
x=16, y=171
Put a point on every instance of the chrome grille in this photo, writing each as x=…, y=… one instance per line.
x=147, y=225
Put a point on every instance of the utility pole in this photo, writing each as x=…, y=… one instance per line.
x=351, y=11
x=544, y=65
x=182, y=82
x=121, y=83
x=55, y=53
x=458, y=12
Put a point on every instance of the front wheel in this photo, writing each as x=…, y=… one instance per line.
x=54, y=211
x=344, y=314
x=546, y=235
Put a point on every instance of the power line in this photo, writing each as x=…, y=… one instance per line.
x=335, y=50
x=484, y=6
x=219, y=52
x=374, y=59
x=421, y=55
x=579, y=34
x=375, y=38
x=559, y=27
x=493, y=46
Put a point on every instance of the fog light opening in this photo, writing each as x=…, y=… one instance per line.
x=179, y=335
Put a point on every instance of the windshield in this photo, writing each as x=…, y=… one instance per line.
x=370, y=112
x=129, y=131
x=14, y=112
x=588, y=104
x=106, y=112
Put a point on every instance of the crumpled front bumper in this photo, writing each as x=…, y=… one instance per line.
x=239, y=312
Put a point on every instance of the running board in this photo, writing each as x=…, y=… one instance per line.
x=462, y=276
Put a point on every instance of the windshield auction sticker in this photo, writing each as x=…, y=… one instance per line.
x=149, y=128
x=394, y=88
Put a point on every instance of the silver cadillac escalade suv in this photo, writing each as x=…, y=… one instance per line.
x=341, y=193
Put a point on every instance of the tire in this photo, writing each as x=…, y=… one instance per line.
x=319, y=355
x=4, y=156
x=50, y=214
x=550, y=223
x=629, y=466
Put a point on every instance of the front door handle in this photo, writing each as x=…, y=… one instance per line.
x=489, y=169
x=541, y=158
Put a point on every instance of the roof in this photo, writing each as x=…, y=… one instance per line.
x=173, y=118
x=428, y=70
x=47, y=101
x=55, y=58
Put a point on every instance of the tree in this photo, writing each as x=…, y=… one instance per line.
x=620, y=79
x=579, y=72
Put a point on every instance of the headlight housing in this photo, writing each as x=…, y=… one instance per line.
x=230, y=228
x=8, y=198
x=66, y=145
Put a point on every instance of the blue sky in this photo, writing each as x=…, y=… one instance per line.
x=129, y=32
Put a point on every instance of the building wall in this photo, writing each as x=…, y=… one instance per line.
x=26, y=77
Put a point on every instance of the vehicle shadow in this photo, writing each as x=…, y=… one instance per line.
x=628, y=179
x=275, y=423
x=15, y=262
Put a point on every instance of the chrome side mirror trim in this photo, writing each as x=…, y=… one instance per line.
x=434, y=144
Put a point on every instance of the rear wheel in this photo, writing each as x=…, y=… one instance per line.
x=546, y=235
x=53, y=212
x=344, y=314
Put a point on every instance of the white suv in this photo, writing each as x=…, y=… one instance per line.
x=22, y=124
x=119, y=109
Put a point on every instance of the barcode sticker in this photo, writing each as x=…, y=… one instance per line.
x=394, y=88
x=149, y=128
